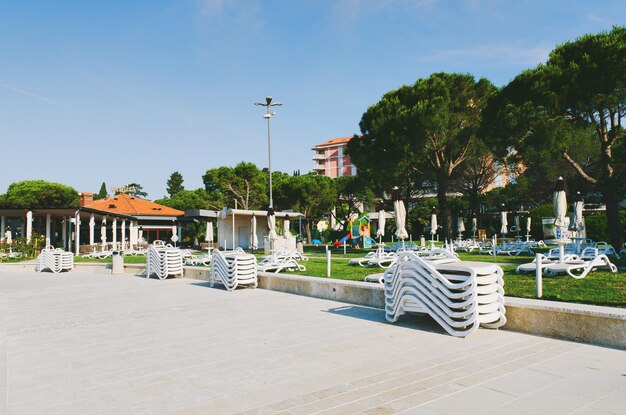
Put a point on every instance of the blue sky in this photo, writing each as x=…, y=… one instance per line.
x=131, y=91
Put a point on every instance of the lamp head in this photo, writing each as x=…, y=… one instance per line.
x=268, y=100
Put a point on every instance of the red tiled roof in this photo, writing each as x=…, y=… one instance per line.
x=335, y=141
x=124, y=204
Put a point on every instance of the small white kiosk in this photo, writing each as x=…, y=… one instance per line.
x=234, y=229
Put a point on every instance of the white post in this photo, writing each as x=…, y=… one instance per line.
x=328, y=253
x=114, y=232
x=538, y=275
x=29, y=226
x=123, y=234
x=344, y=247
x=92, y=229
x=77, y=250
x=48, y=220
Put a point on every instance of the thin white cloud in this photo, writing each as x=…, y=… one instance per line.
x=503, y=53
x=212, y=7
x=30, y=94
x=353, y=10
x=600, y=19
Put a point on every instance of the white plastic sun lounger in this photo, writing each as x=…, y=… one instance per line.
x=164, y=261
x=460, y=296
x=233, y=269
x=580, y=269
x=55, y=260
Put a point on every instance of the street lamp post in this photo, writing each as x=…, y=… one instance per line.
x=268, y=116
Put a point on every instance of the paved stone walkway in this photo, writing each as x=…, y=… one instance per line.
x=84, y=343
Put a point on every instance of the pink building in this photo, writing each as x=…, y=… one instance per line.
x=330, y=159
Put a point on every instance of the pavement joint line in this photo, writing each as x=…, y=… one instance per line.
x=411, y=374
x=461, y=390
x=477, y=348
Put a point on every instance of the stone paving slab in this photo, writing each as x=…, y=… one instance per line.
x=85, y=343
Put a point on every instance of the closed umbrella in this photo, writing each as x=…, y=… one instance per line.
x=516, y=224
x=505, y=223
x=579, y=221
x=174, y=234
x=8, y=236
x=254, y=240
x=380, y=232
x=271, y=224
x=559, y=203
x=286, y=226
x=400, y=212
x=474, y=226
x=460, y=226
x=433, y=228
x=208, y=237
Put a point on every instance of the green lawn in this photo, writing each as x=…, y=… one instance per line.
x=599, y=288
x=129, y=259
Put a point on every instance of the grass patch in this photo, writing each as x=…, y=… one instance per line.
x=598, y=288
x=139, y=259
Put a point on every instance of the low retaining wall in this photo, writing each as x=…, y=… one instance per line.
x=604, y=326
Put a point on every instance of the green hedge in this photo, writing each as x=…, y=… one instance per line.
x=596, y=223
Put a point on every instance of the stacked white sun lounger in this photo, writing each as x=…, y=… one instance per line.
x=55, y=260
x=460, y=296
x=233, y=269
x=164, y=261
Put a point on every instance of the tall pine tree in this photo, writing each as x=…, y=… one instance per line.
x=102, y=194
x=175, y=183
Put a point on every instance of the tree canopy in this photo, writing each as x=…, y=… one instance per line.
x=187, y=199
x=102, y=194
x=244, y=183
x=40, y=194
x=138, y=190
x=421, y=133
x=312, y=195
x=570, y=109
x=175, y=183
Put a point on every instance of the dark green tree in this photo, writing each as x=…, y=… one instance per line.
x=353, y=194
x=421, y=133
x=102, y=194
x=175, y=183
x=245, y=183
x=573, y=104
x=136, y=190
x=40, y=194
x=314, y=196
x=478, y=172
x=187, y=199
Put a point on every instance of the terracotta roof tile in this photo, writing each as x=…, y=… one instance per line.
x=335, y=141
x=130, y=205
